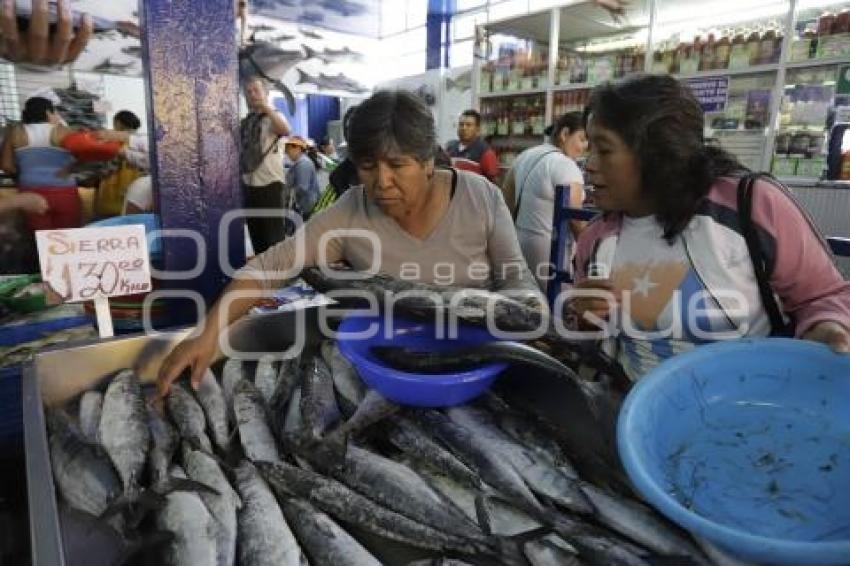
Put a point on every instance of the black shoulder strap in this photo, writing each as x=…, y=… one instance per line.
x=527, y=175
x=745, y=214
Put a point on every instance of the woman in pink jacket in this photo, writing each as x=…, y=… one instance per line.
x=667, y=265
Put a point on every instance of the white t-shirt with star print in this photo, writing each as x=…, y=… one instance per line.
x=658, y=288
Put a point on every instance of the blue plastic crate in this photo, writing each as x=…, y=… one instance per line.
x=19, y=333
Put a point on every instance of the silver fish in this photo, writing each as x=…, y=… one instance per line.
x=232, y=373
x=318, y=402
x=163, y=445
x=397, y=487
x=309, y=33
x=325, y=542
x=374, y=408
x=529, y=434
x=211, y=399
x=91, y=406
x=188, y=416
x=265, y=378
x=502, y=519
x=639, y=523
x=252, y=420
x=264, y=536
x=550, y=552
x=479, y=456
x=201, y=468
x=349, y=387
x=542, y=477
x=84, y=474
x=346, y=505
x=194, y=529
x=331, y=82
x=421, y=448
x=124, y=431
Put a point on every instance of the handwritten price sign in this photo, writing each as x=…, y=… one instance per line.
x=94, y=263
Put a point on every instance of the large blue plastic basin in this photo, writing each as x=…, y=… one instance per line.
x=747, y=444
x=357, y=334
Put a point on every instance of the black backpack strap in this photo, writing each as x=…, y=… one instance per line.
x=745, y=214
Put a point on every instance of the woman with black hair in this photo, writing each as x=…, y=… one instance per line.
x=669, y=259
x=112, y=189
x=33, y=152
x=408, y=219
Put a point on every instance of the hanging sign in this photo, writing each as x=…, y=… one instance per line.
x=712, y=93
x=93, y=264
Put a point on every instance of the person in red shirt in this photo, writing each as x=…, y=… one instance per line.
x=470, y=152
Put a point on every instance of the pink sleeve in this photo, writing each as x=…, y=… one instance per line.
x=804, y=276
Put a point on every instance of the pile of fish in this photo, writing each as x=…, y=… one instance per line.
x=298, y=462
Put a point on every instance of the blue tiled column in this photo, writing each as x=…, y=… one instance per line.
x=189, y=49
x=439, y=25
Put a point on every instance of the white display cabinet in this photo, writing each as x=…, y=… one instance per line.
x=765, y=71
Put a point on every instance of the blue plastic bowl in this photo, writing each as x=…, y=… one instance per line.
x=418, y=389
x=747, y=444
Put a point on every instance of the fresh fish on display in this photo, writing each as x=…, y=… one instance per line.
x=337, y=500
x=541, y=477
x=344, y=8
x=331, y=82
x=373, y=409
x=265, y=377
x=640, y=524
x=223, y=505
x=419, y=447
x=334, y=55
x=91, y=405
x=164, y=441
x=546, y=552
x=188, y=416
x=348, y=385
x=325, y=542
x=211, y=399
x=232, y=373
x=400, y=489
x=84, y=475
x=270, y=63
x=265, y=538
x=502, y=519
x=192, y=525
x=492, y=467
x=124, y=431
x=252, y=419
x=318, y=402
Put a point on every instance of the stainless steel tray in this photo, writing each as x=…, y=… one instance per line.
x=59, y=374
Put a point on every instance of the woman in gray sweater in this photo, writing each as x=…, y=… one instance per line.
x=408, y=219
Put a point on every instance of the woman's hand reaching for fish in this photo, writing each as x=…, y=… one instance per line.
x=37, y=44
x=830, y=333
x=195, y=354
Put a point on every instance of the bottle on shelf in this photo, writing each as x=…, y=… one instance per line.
x=767, y=46
x=754, y=46
x=723, y=50
x=707, y=53
x=825, y=23
x=842, y=22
